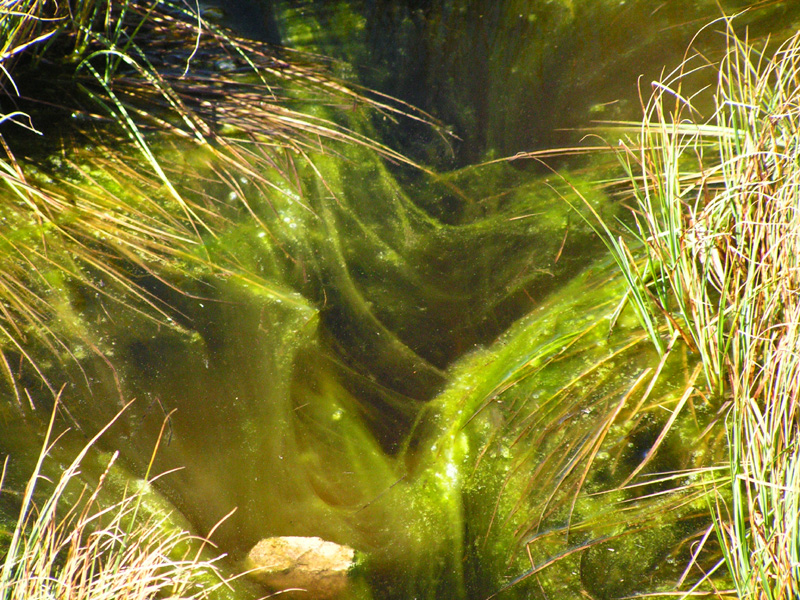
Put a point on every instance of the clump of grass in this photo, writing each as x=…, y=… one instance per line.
x=716, y=262
x=84, y=549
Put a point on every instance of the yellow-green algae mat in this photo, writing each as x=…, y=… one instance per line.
x=516, y=463
x=301, y=393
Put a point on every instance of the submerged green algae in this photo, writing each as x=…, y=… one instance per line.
x=542, y=429
x=287, y=358
x=306, y=343
x=477, y=478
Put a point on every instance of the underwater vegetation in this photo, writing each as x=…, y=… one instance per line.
x=489, y=381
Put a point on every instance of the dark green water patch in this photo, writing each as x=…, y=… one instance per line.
x=510, y=76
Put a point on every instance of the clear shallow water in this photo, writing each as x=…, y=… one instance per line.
x=338, y=400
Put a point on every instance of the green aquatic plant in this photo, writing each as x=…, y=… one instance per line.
x=587, y=446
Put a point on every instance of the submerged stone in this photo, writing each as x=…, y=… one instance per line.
x=307, y=566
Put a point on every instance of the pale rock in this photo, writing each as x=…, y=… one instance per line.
x=316, y=569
